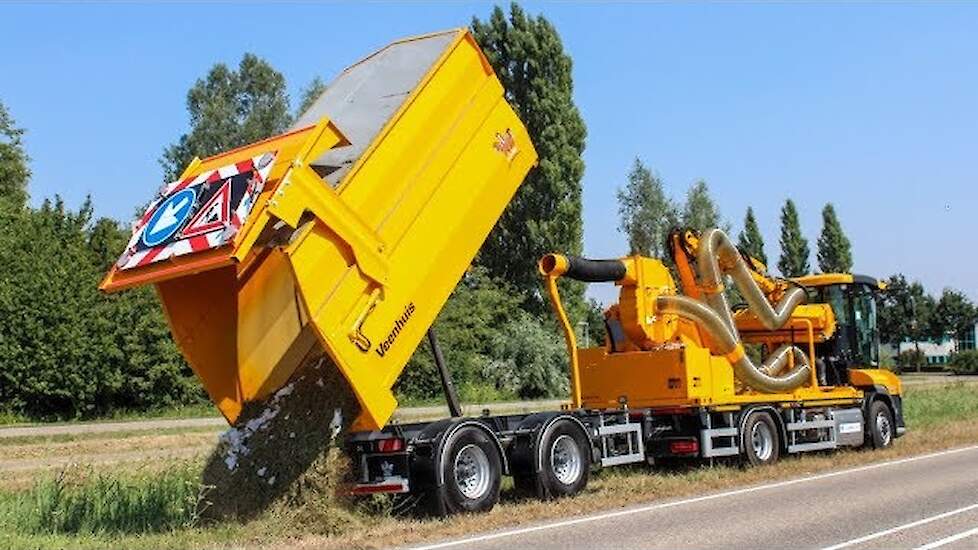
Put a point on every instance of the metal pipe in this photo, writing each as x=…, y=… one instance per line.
x=727, y=343
x=717, y=256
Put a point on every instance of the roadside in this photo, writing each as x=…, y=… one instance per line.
x=206, y=419
x=939, y=418
x=40, y=447
x=24, y=449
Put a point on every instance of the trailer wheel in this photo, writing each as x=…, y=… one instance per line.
x=761, y=439
x=472, y=470
x=879, y=425
x=566, y=461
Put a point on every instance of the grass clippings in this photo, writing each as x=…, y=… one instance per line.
x=285, y=453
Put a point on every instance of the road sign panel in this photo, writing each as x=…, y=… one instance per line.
x=169, y=217
x=215, y=214
x=201, y=212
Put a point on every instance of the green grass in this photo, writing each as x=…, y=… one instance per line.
x=928, y=406
x=100, y=503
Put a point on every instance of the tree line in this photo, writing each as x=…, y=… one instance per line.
x=67, y=351
x=647, y=215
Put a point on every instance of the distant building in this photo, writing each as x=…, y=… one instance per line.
x=939, y=353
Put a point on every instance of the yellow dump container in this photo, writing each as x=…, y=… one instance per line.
x=348, y=233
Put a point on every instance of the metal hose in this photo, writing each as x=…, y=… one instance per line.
x=767, y=376
x=718, y=255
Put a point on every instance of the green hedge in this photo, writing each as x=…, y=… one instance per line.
x=66, y=350
x=965, y=362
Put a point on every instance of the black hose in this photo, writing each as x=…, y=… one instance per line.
x=594, y=271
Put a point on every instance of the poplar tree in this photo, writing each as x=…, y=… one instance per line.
x=14, y=171
x=794, y=247
x=646, y=213
x=834, y=250
x=750, y=239
x=546, y=214
x=700, y=212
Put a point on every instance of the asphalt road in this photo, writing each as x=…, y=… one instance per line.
x=928, y=501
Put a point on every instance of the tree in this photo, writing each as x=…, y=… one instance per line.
x=834, y=250
x=228, y=109
x=646, y=212
x=309, y=95
x=794, y=247
x=750, y=239
x=905, y=313
x=545, y=215
x=699, y=211
x=953, y=314
x=896, y=311
x=14, y=171
x=66, y=350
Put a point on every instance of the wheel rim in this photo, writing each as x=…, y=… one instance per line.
x=762, y=440
x=472, y=471
x=565, y=460
x=883, y=427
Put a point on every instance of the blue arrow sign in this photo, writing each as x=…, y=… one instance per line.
x=169, y=217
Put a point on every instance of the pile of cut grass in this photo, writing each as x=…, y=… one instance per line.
x=286, y=454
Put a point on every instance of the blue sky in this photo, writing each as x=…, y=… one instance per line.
x=871, y=106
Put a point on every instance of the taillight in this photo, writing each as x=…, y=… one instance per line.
x=684, y=447
x=392, y=445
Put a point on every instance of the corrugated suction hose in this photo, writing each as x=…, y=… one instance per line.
x=766, y=377
x=717, y=256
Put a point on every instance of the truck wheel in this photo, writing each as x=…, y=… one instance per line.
x=566, y=461
x=472, y=470
x=879, y=425
x=761, y=440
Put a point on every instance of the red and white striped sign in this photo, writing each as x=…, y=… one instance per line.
x=223, y=199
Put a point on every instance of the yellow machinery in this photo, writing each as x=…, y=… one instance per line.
x=672, y=346
x=346, y=234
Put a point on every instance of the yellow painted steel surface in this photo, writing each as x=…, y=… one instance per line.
x=680, y=376
x=876, y=377
x=360, y=264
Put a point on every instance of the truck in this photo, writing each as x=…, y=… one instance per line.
x=345, y=236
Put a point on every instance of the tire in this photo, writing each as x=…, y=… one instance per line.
x=761, y=439
x=472, y=472
x=879, y=425
x=566, y=461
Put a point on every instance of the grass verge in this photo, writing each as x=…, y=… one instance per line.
x=193, y=410
x=938, y=418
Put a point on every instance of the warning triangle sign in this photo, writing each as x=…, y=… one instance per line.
x=214, y=215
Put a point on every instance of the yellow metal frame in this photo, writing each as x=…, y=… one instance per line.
x=358, y=272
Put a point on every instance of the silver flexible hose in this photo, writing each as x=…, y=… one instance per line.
x=717, y=256
x=767, y=377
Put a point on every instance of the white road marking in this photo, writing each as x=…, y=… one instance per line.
x=664, y=505
x=899, y=528
x=949, y=540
